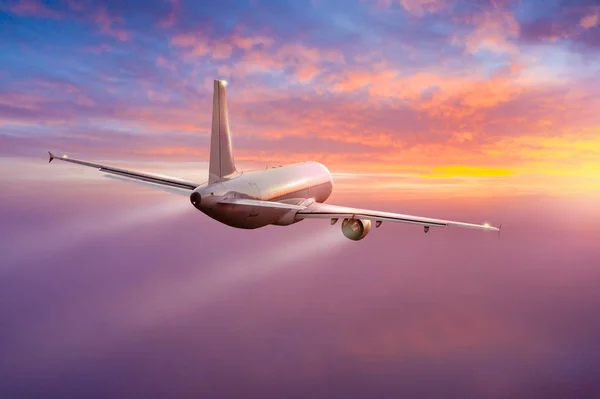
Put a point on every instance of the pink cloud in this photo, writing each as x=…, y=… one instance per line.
x=259, y=54
x=248, y=42
x=388, y=82
x=415, y=7
x=165, y=63
x=221, y=51
x=419, y=7
x=199, y=46
x=184, y=40
x=171, y=18
x=106, y=23
x=34, y=8
x=591, y=20
x=493, y=31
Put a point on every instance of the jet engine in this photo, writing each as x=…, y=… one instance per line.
x=356, y=229
x=195, y=199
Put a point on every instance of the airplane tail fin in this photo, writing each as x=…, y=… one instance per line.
x=221, y=155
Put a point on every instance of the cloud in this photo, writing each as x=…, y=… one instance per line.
x=430, y=90
x=200, y=46
x=419, y=7
x=591, y=20
x=416, y=7
x=389, y=100
x=184, y=40
x=170, y=19
x=494, y=30
x=259, y=54
x=572, y=23
x=248, y=42
x=33, y=8
x=107, y=23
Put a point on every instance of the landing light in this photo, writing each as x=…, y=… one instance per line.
x=487, y=225
x=224, y=82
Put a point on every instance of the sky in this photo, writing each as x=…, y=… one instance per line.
x=482, y=111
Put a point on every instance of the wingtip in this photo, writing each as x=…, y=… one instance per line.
x=51, y=155
x=499, y=229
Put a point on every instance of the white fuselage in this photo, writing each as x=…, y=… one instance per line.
x=299, y=183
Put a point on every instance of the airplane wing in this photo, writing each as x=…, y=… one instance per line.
x=176, y=185
x=325, y=211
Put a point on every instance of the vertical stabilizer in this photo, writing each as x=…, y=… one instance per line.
x=221, y=155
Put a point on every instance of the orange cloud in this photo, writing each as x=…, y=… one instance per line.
x=470, y=91
x=590, y=20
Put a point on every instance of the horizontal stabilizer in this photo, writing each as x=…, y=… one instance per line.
x=264, y=204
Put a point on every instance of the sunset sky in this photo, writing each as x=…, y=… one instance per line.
x=482, y=111
x=488, y=95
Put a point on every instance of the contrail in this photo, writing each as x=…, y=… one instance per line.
x=64, y=236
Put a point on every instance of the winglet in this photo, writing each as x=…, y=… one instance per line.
x=51, y=156
x=499, y=229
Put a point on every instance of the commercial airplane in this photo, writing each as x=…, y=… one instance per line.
x=281, y=195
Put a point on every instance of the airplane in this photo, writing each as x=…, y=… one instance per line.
x=280, y=195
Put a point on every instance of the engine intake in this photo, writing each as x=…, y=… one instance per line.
x=356, y=229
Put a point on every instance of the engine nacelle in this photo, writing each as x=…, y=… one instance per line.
x=356, y=229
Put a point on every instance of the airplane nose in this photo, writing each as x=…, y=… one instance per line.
x=195, y=199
